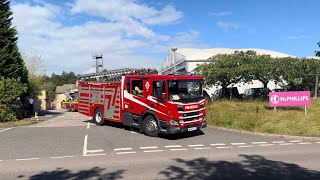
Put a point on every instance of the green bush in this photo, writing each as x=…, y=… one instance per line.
x=10, y=89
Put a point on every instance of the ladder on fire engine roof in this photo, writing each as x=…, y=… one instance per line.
x=115, y=75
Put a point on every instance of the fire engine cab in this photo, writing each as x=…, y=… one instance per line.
x=153, y=103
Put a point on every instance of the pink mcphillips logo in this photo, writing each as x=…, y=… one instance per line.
x=292, y=98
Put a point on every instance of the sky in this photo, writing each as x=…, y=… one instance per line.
x=139, y=33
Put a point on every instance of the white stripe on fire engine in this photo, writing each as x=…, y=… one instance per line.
x=181, y=112
x=179, y=103
x=181, y=117
x=130, y=97
x=190, y=121
x=121, y=92
x=150, y=98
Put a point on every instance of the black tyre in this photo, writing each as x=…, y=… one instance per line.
x=150, y=126
x=98, y=117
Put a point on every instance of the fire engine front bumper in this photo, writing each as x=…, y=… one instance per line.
x=175, y=129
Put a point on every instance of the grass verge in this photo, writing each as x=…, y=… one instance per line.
x=16, y=123
x=257, y=116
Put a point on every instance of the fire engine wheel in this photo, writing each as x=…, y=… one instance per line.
x=98, y=117
x=150, y=126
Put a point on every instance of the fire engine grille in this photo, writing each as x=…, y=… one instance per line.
x=191, y=114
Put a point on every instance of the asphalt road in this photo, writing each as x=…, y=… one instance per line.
x=69, y=146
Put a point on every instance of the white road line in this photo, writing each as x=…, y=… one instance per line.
x=150, y=151
x=294, y=141
x=61, y=157
x=202, y=148
x=133, y=132
x=266, y=144
x=278, y=142
x=318, y=142
x=218, y=144
x=60, y=116
x=85, y=144
x=27, y=159
x=245, y=146
x=1, y=160
x=224, y=147
x=88, y=125
x=122, y=149
x=5, y=129
x=305, y=143
x=285, y=144
x=49, y=115
x=196, y=145
x=130, y=152
x=94, y=151
x=173, y=146
x=182, y=149
x=259, y=142
x=235, y=144
x=95, y=154
x=149, y=147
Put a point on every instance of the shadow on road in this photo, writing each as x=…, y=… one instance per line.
x=251, y=167
x=60, y=173
x=181, y=135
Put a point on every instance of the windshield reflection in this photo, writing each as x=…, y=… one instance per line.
x=185, y=89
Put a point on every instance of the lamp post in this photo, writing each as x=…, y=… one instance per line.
x=174, y=62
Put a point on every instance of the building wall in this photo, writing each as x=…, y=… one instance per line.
x=42, y=99
x=59, y=99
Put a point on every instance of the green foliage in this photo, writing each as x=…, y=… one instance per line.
x=10, y=89
x=11, y=62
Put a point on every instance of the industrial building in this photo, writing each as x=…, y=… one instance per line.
x=187, y=59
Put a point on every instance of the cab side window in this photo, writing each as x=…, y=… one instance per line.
x=154, y=87
x=137, y=87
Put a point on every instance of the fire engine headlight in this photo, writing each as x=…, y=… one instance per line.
x=174, y=122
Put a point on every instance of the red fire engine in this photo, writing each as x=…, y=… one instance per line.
x=153, y=103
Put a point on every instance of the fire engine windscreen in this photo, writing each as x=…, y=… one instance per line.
x=182, y=90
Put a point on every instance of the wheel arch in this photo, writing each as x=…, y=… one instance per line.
x=144, y=115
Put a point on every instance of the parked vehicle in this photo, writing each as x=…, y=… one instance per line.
x=150, y=102
x=252, y=93
x=229, y=93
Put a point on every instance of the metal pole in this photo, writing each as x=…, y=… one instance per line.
x=316, y=86
x=174, y=61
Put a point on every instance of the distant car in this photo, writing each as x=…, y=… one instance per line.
x=252, y=93
x=277, y=90
x=229, y=93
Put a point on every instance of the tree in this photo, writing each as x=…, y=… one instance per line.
x=11, y=62
x=36, y=76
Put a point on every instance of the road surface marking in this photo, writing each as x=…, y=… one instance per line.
x=61, y=157
x=27, y=159
x=259, y=142
x=60, y=116
x=1, y=160
x=173, y=146
x=5, y=129
x=266, y=144
x=294, y=141
x=159, y=150
x=95, y=154
x=133, y=132
x=149, y=147
x=235, y=144
x=202, y=148
x=244, y=146
x=130, y=152
x=88, y=126
x=278, y=142
x=318, y=142
x=85, y=144
x=224, y=147
x=183, y=149
x=122, y=149
x=285, y=144
x=49, y=115
x=218, y=144
x=196, y=145
x=94, y=151
x=305, y=143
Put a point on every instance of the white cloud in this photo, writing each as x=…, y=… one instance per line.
x=228, y=25
x=299, y=37
x=221, y=13
x=121, y=37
